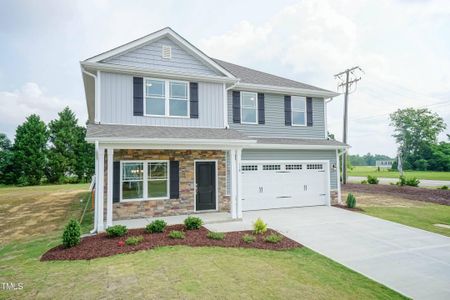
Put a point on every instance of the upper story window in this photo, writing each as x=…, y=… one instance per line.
x=298, y=107
x=166, y=98
x=249, y=108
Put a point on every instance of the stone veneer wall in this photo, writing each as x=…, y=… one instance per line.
x=334, y=197
x=170, y=207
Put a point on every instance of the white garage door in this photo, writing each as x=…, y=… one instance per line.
x=287, y=184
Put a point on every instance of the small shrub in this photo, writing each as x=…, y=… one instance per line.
x=116, y=230
x=175, y=234
x=351, y=200
x=156, y=226
x=72, y=234
x=120, y=243
x=444, y=187
x=248, y=238
x=364, y=182
x=216, y=235
x=134, y=240
x=259, y=226
x=193, y=223
x=372, y=179
x=412, y=181
x=401, y=181
x=273, y=238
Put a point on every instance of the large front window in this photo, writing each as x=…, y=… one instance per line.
x=166, y=98
x=145, y=180
x=249, y=107
x=298, y=111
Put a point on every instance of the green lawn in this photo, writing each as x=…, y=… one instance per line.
x=364, y=171
x=167, y=272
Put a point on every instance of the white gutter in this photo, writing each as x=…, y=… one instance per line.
x=171, y=141
x=286, y=90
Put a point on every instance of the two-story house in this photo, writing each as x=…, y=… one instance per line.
x=178, y=132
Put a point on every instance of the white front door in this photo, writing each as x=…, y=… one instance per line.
x=284, y=184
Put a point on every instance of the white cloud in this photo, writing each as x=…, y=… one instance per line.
x=32, y=99
x=399, y=45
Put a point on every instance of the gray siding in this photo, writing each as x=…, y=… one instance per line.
x=274, y=124
x=290, y=154
x=117, y=104
x=149, y=56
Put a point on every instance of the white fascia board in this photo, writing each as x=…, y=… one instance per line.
x=171, y=141
x=290, y=146
x=177, y=146
x=155, y=73
x=155, y=35
x=286, y=90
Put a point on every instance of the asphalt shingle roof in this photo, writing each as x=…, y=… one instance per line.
x=252, y=76
x=152, y=132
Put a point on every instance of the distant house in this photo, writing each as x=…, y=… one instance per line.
x=387, y=164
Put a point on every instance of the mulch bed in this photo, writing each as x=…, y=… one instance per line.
x=348, y=208
x=407, y=192
x=101, y=245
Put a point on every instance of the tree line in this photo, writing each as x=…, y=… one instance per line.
x=367, y=159
x=416, y=132
x=41, y=153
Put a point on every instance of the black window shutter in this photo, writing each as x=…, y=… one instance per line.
x=261, y=116
x=287, y=111
x=174, y=179
x=193, y=91
x=138, y=96
x=236, y=107
x=309, y=112
x=116, y=181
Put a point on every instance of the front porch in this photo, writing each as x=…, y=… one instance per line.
x=208, y=218
x=141, y=183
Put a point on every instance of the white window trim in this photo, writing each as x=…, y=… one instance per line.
x=145, y=180
x=292, y=112
x=256, y=107
x=167, y=98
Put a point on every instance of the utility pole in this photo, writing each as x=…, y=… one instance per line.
x=350, y=78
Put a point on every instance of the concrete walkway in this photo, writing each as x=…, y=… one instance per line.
x=411, y=261
x=423, y=182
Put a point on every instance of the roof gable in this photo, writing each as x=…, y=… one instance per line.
x=146, y=53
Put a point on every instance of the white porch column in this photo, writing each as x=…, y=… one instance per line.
x=100, y=188
x=338, y=176
x=239, y=183
x=109, y=203
x=233, y=182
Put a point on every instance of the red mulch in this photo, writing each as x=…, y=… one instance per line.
x=407, y=192
x=348, y=208
x=101, y=245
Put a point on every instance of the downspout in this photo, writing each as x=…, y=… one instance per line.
x=225, y=101
x=96, y=190
x=96, y=96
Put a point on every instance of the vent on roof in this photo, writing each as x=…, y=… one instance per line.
x=166, y=52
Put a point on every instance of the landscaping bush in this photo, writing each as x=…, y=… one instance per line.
x=175, y=234
x=259, y=226
x=351, y=200
x=116, y=230
x=408, y=181
x=444, y=187
x=364, y=182
x=156, y=226
x=216, y=235
x=273, y=238
x=372, y=179
x=134, y=240
x=248, y=238
x=72, y=234
x=193, y=223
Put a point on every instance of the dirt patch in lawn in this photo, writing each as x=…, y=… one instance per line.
x=404, y=192
x=101, y=245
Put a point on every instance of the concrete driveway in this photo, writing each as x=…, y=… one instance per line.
x=414, y=262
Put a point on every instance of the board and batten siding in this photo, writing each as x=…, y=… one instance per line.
x=117, y=105
x=293, y=154
x=274, y=120
x=149, y=56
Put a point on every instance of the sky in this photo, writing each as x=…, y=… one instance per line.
x=402, y=46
